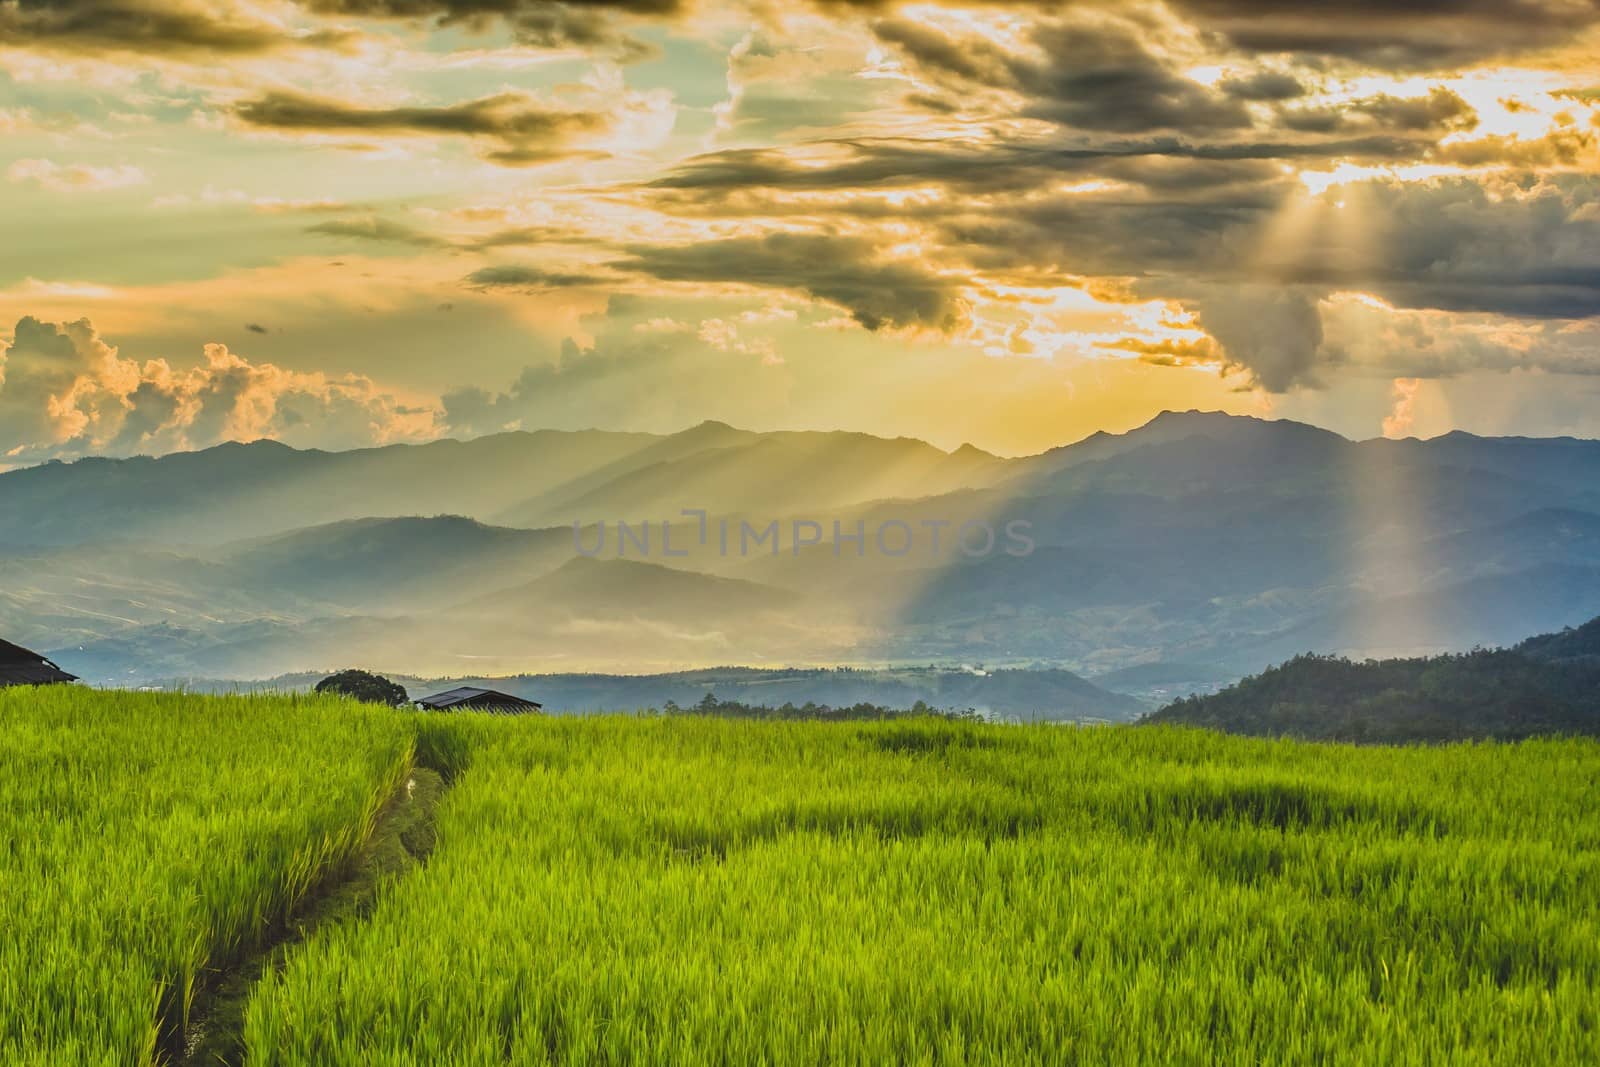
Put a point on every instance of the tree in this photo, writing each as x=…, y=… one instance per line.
x=366, y=687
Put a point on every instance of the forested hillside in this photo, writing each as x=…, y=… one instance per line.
x=1547, y=685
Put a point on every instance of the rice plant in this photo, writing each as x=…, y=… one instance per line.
x=651, y=890
x=149, y=837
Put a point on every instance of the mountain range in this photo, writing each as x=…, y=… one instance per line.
x=1191, y=551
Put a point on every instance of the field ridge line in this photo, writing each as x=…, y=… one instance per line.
x=399, y=840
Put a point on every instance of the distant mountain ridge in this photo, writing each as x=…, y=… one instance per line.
x=1198, y=546
x=530, y=479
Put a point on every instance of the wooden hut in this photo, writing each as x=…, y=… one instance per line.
x=471, y=698
x=18, y=666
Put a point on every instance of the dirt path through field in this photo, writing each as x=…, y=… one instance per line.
x=401, y=840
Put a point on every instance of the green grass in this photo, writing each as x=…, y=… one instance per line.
x=666, y=889
x=146, y=838
x=692, y=891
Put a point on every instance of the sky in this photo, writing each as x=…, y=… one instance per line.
x=342, y=223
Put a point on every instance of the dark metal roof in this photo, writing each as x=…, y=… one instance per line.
x=471, y=697
x=18, y=666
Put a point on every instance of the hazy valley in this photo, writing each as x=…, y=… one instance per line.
x=1193, y=550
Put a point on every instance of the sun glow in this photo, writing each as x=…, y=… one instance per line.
x=1318, y=182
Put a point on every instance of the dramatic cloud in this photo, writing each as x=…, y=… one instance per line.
x=1089, y=74
x=1284, y=339
x=467, y=10
x=514, y=11
x=65, y=392
x=1274, y=334
x=1264, y=85
x=555, y=24
x=1376, y=339
x=161, y=27
x=851, y=272
x=1513, y=249
x=1171, y=165
x=1228, y=198
x=226, y=27
x=1436, y=35
x=519, y=129
x=1441, y=111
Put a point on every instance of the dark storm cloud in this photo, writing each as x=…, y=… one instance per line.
x=1441, y=111
x=865, y=164
x=1264, y=86
x=1272, y=332
x=1377, y=148
x=162, y=27
x=1204, y=221
x=1202, y=177
x=540, y=23
x=1086, y=74
x=522, y=129
x=1103, y=77
x=1430, y=35
x=972, y=58
x=192, y=26
x=1384, y=34
x=1106, y=237
x=1186, y=208
x=512, y=116
x=466, y=10
x=848, y=271
x=563, y=26
x=983, y=167
x=1450, y=245
x=1425, y=35
x=1457, y=246
x=1203, y=213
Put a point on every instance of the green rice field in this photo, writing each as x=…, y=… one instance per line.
x=649, y=889
x=147, y=837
